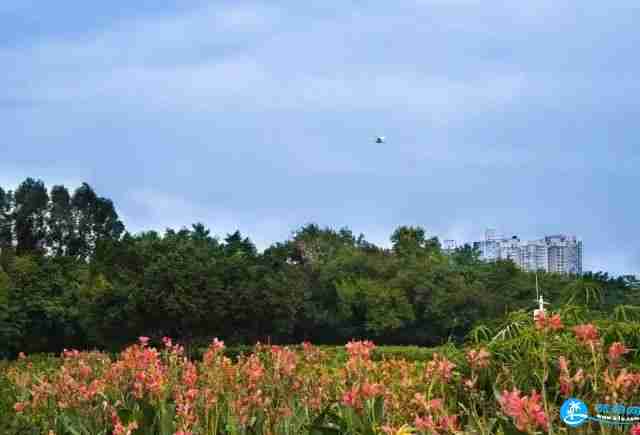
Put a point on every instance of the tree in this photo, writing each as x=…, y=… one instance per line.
x=94, y=220
x=31, y=202
x=6, y=219
x=236, y=245
x=60, y=222
x=408, y=240
x=376, y=307
x=466, y=255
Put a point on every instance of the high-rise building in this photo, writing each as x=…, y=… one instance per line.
x=449, y=246
x=557, y=253
x=509, y=249
x=535, y=256
x=565, y=254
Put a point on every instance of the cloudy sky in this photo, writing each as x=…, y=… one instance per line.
x=261, y=116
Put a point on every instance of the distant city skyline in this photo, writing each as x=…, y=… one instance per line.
x=560, y=253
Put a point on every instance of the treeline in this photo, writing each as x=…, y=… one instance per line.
x=71, y=276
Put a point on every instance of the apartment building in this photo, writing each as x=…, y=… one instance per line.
x=557, y=253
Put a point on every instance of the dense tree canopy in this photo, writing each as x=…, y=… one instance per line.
x=70, y=276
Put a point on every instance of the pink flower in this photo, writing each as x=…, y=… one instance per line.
x=635, y=430
x=549, y=323
x=587, y=334
x=370, y=390
x=622, y=383
x=360, y=349
x=511, y=403
x=425, y=424
x=440, y=367
x=616, y=350
x=448, y=423
x=567, y=381
x=350, y=398
x=555, y=323
x=143, y=340
x=478, y=359
x=527, y=411
x=85, y=371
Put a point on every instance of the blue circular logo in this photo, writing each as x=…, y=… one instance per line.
x=574, y=412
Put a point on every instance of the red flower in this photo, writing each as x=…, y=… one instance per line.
x=360, y=349
x=350, y=398
x=369, y=391
x=587, y=334
x=616, y=350
x=544, y=322
x=527, y=411
x=635, y=430
x=555, y=323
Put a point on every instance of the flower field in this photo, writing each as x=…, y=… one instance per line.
x=513, y=382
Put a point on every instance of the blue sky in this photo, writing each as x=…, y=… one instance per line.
x=261, y=115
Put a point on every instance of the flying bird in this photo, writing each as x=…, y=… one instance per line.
x=380, y=139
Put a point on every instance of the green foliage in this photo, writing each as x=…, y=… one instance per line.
x=6, y=219
x=381, y=309
x=411, y=241
x=72, y=277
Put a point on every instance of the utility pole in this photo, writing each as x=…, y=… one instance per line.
x=539, y=299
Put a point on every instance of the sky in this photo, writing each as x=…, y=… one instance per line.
x=262, y=116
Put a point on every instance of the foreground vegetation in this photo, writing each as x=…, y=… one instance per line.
x=507, y=380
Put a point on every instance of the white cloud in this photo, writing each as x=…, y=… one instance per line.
x=150, y=40
x=219, y=59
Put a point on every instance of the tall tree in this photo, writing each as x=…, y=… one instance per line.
x=31, y=202
x=60, y=221
x=6, y=219
x=94, y=220
x=236, y=245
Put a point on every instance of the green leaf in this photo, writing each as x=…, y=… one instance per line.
x=378, y=410
x=324, y=430
x=165, y=420
x=68, y=426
